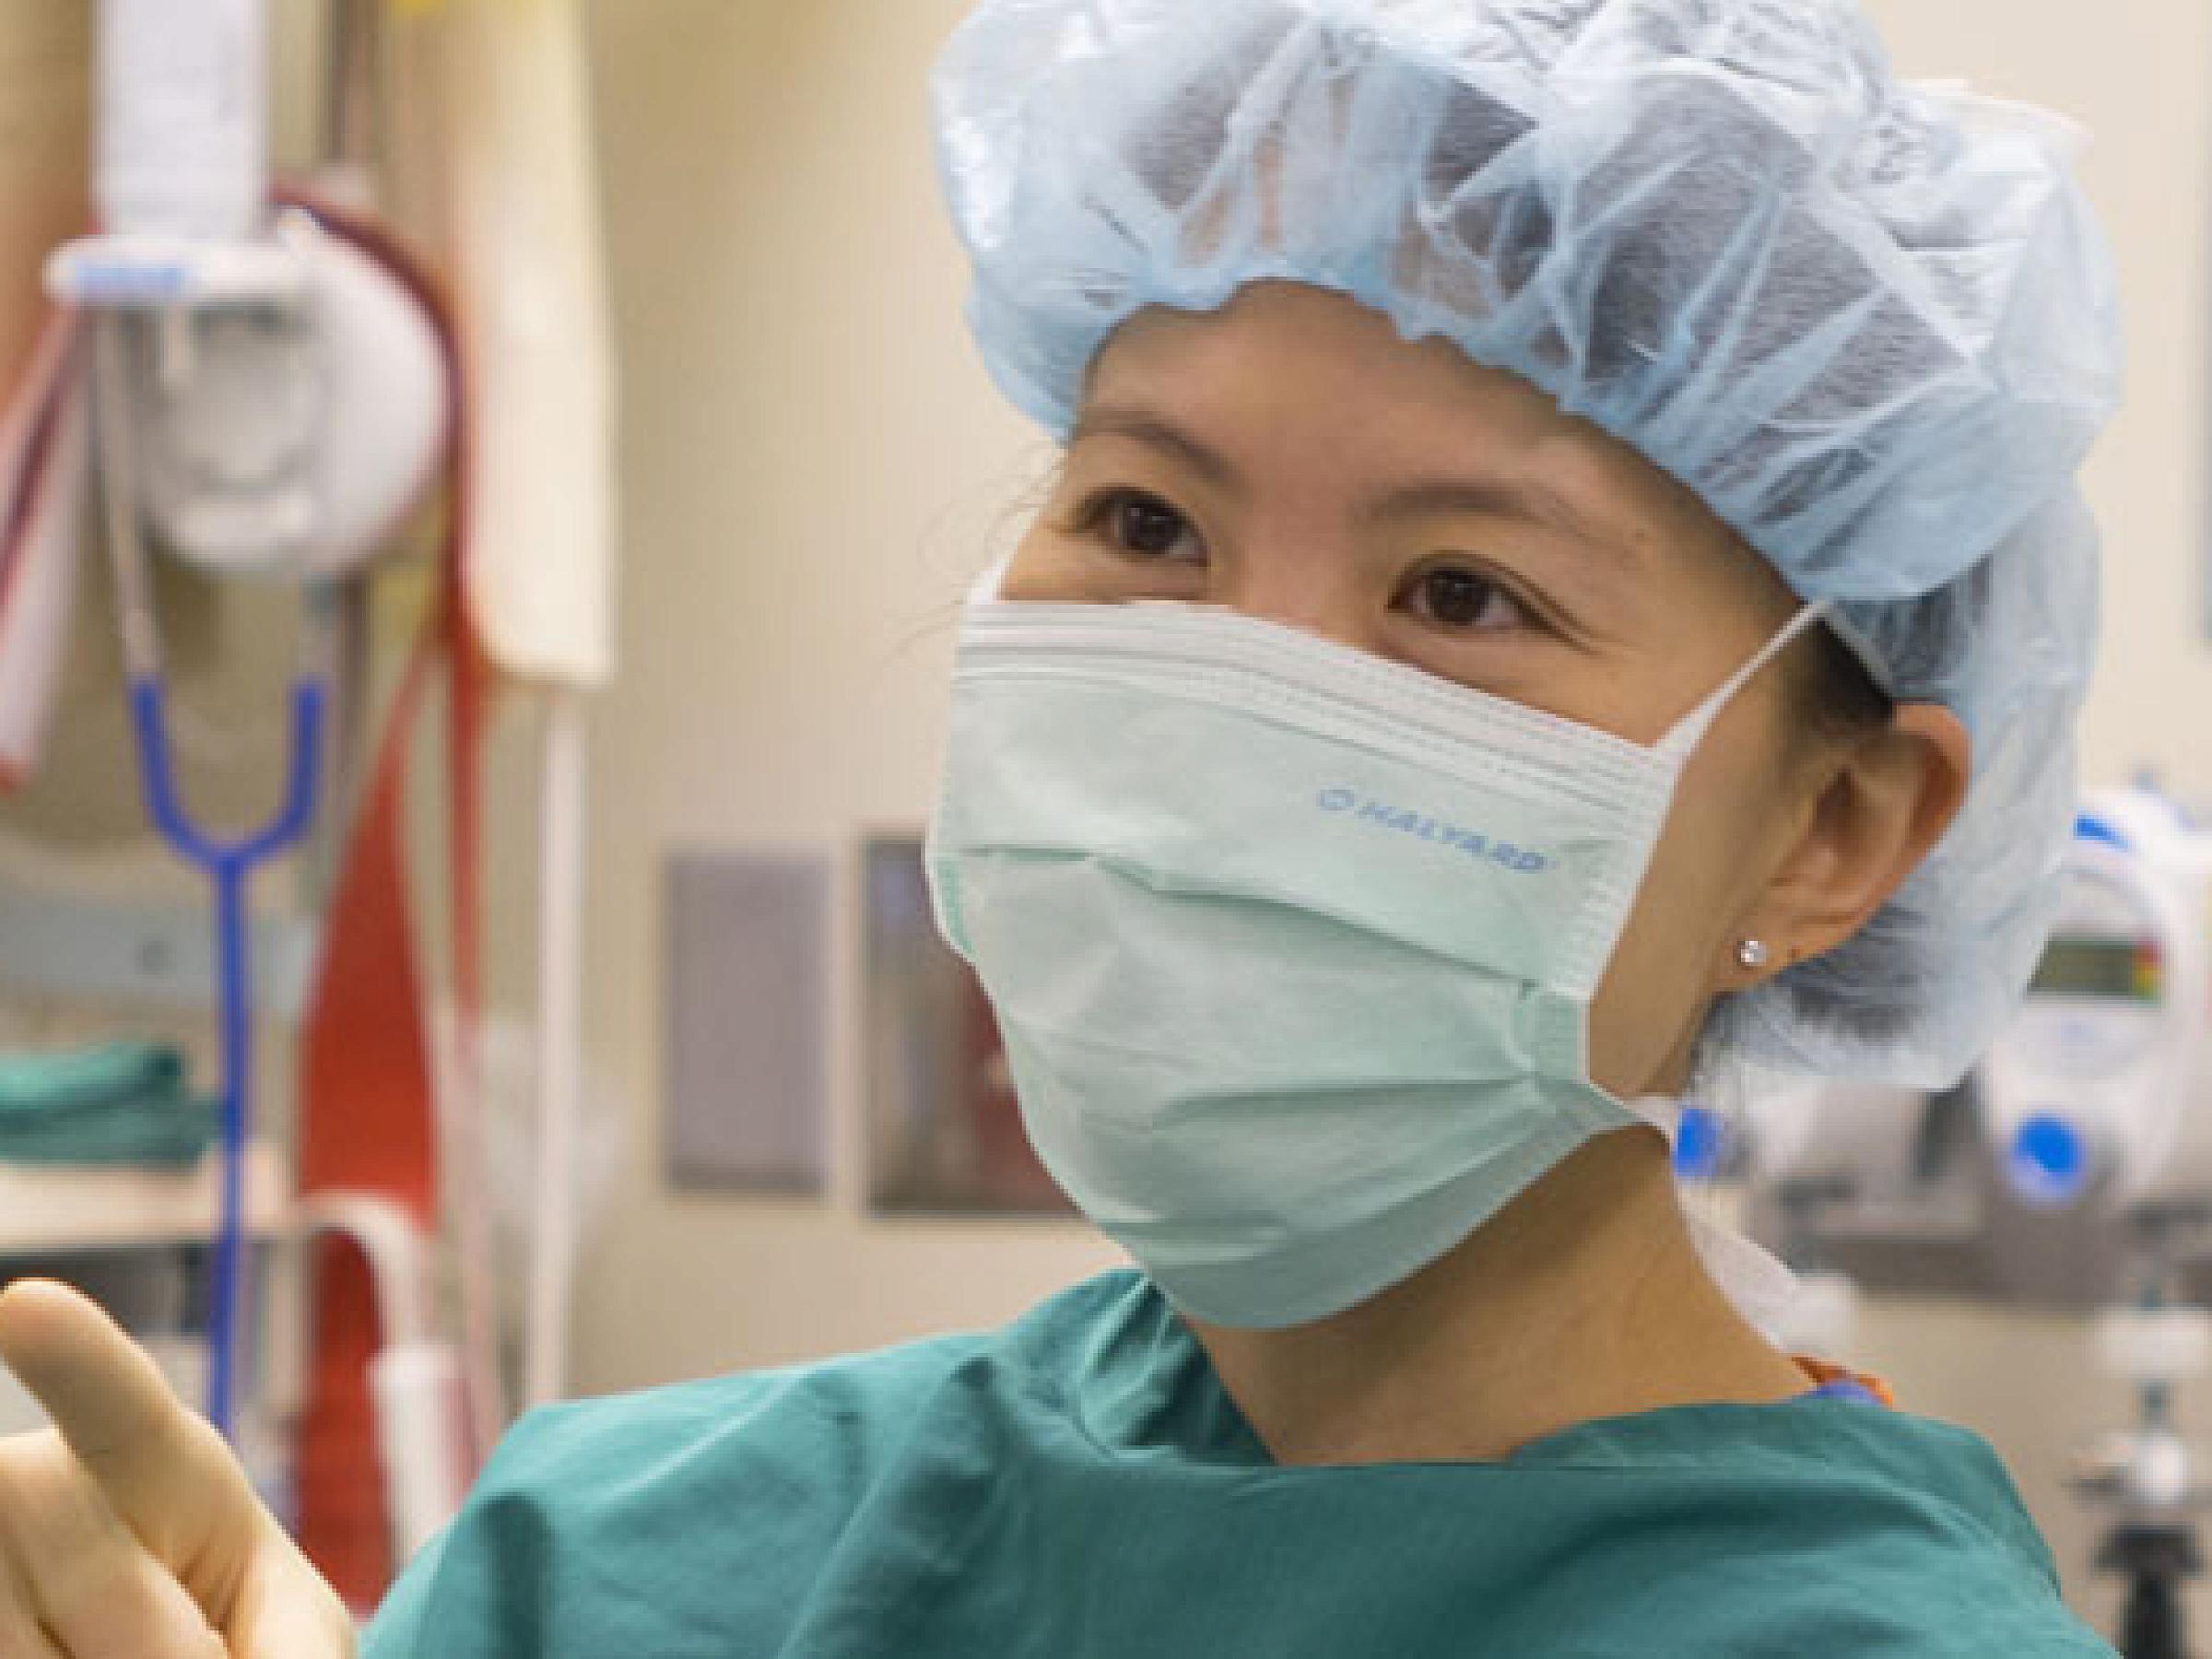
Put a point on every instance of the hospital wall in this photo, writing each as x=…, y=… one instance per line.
x=813, y=464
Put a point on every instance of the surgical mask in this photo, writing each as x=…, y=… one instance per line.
x=1292, y=947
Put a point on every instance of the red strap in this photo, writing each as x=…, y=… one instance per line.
x=51, y=384
x=368, y=1120
x=50, y=381
x=367, y=1124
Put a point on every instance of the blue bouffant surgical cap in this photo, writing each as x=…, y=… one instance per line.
x=1871, y=323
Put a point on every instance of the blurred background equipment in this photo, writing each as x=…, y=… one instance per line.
x=354, y=414
x=944, y=1131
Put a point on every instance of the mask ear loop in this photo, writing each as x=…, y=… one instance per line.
x=1690, y=730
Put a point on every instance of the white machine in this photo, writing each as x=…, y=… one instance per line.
x=1833, y=1134
x=2100, y=1091
x=2097, y=1097
x=282, y=394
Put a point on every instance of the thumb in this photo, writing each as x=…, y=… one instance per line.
x=162, y=1468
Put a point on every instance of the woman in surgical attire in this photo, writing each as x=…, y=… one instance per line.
x=1567, y=577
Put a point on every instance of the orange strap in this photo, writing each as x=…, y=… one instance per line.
x=1823, y=1372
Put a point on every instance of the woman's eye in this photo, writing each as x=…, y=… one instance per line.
x=1144, y=525
x=1456, y=598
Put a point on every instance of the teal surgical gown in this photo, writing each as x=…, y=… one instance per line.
x=1078, y=1485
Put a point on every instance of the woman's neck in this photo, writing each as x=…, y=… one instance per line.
x=1583, y=1298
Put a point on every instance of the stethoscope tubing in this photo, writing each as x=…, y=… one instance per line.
x=228, y=863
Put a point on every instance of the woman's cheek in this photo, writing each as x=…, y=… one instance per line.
x=1049, y=566
x=1655, y=989
x=1705, y=874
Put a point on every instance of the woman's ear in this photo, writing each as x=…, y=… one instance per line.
x=1883, y=801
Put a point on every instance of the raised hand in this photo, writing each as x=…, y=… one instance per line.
x=127, y=1529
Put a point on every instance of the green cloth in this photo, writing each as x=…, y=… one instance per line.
x=119, y=1103
x=1079, y=1487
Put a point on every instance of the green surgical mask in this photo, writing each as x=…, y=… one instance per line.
x=1292, y=947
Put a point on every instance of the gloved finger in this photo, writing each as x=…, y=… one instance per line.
x=140, y=1612
x=29, y=1640
x=162, y=1469
x=76, y=1572
x=286, y=1611
x=20, y=1628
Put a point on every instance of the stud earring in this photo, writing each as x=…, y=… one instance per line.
x=1754, y=954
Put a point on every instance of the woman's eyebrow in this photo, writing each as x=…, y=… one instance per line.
x=1536, y=500
x=1141, y=426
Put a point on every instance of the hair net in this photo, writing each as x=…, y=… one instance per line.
x=1870, y=322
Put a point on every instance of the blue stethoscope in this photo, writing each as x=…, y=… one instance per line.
x=228, y=864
